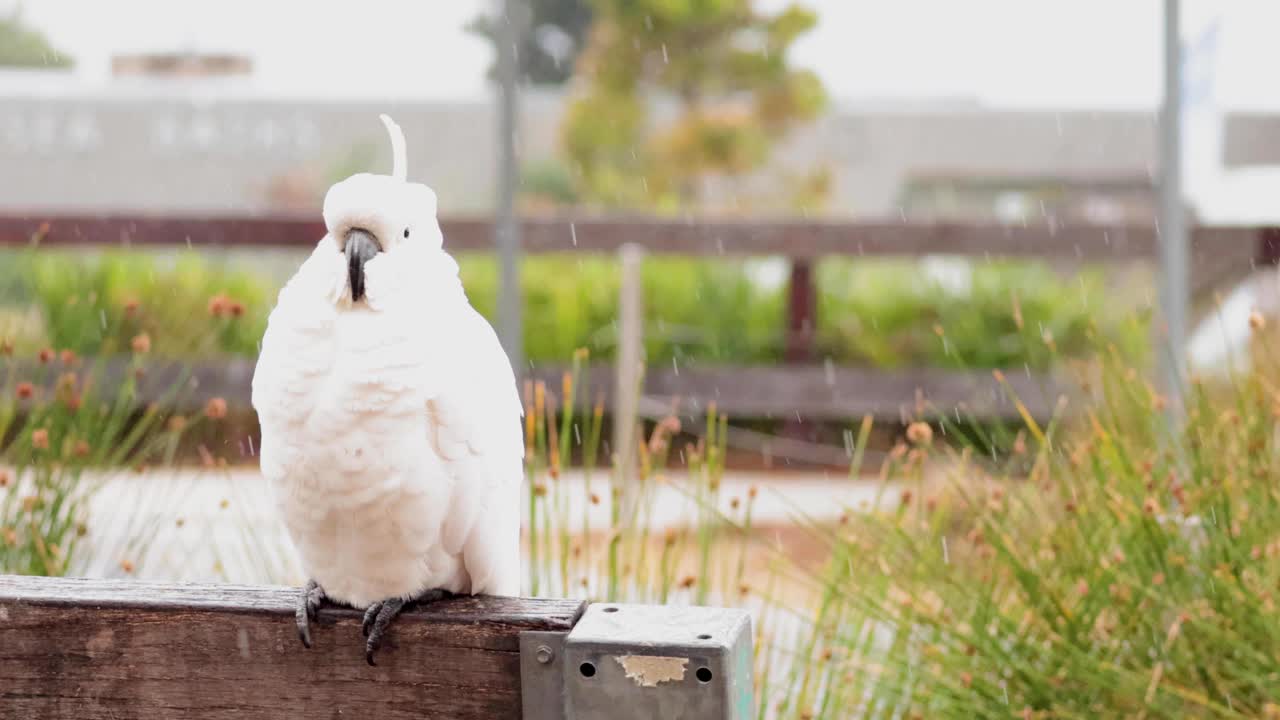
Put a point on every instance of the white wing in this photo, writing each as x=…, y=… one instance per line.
x=475, y=423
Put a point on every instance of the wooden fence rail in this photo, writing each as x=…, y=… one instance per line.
x=103, y=650
x=804, y=239
x=817, y=392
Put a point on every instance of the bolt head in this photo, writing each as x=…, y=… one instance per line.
x=545, y=654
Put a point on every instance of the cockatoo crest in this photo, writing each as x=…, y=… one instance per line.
x=381, y=223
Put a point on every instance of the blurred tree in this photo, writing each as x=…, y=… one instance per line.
x=550, y=42
x=716, y=77
x=21, y=46
x=546, y=184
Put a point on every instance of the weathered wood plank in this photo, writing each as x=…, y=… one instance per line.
x=836, y=393
x=90, y=649
x=796, y=238
x=816, y=392
x=820, y=392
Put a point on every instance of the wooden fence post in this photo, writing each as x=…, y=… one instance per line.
x=629, y=365
x=802, y=311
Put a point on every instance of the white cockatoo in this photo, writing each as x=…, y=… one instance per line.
x=390, y=415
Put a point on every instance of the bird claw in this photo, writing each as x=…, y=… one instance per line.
x=376, y=619
x=309, y=602
x=379, y=615
x=370, y=615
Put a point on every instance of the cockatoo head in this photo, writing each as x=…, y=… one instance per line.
x=381, y=221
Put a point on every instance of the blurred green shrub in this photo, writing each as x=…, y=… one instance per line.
x=881, y=313
x=96, y=304
x=693, y=310
x=887, y=313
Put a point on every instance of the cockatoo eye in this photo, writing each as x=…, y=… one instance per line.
x=406, y=233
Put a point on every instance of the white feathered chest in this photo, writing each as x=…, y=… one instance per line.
x=383, y=435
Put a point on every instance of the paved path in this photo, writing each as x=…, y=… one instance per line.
x=221, y=525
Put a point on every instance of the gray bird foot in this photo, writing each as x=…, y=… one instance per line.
x=380, y=614
x=309, y=602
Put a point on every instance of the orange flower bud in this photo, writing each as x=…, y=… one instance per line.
x=215, y=409
x=919, y=433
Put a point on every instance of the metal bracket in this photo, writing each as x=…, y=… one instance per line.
x=542, y=674
x=633, y=662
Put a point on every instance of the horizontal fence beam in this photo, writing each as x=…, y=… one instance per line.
x=813, y=392
x=99, y=649
x=694, y=236
x=818, y=392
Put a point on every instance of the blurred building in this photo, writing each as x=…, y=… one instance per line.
x=968, y=162
x=184, y=133
x=1252, y=140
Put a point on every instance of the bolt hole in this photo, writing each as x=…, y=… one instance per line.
x=589, y=670
x=704, y=675
x=611, y=609
x=704, y=636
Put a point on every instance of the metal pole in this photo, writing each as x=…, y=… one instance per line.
x=1174, y=246
x=506, y=225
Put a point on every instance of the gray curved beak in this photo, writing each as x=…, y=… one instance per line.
x=360, y=248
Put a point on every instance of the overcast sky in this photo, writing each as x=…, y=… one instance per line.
x=1031, y=53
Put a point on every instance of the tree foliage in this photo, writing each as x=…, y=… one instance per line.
x=684, y=99
x=549, y=42
x=21, y=46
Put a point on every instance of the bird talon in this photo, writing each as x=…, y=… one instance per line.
x=377, y=618
x=308, y=609
x=370, y=616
